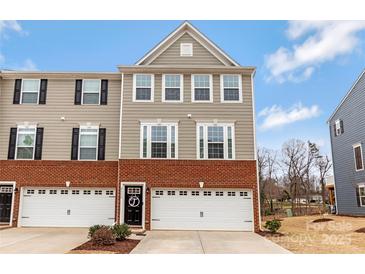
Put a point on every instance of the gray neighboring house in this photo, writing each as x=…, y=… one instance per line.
x=347, y=130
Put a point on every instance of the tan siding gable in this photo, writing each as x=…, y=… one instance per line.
x=201, y=56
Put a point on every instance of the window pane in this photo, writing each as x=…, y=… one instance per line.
x=172, y=94
x=215, y=151
x=215, y=134
x=26, y=139
x=30, y=98
x=231, y=94
x=172, y=142
x=229, y=133
x=172, y=81
x=201, y=81
x=202, y=94
x=143, y=80
x=159, y=134
x=91, y=85
x=358, y=158
x=31, y=85
x=90, y=98
x=144, y=141
x=24, y=153
x=143, y=94
x=230, y=81
x=362, y=191
x=362, y=201
x=201, y=142
x=88, y=140
x=87, y=153
x=159, y=150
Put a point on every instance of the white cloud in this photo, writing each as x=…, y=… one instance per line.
x=276, y=116
x=10, y=25
x=2, y=58
x=323, y=41
x=28, y=65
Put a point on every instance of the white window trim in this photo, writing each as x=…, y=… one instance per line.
x=21, y=91
x=186, y=44
x=149, y=140
x=181, y=89
x=360, y=196
x=16, y=141
x=239, y=88
x=82, y=92
x=362, y=156
x=97, y=143
x=225, y=132
x=135, y=87
x=210, y=89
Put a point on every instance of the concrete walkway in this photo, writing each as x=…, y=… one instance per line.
x=41, y=240
x=209, y=242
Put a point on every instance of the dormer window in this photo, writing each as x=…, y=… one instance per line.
x=339, y=127
x=186, y=49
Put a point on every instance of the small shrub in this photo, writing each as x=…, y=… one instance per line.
x=273, y=225
x=103, y=236
x=121, y=232
x=94, y=228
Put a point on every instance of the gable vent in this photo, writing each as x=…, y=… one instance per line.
x=186, y=49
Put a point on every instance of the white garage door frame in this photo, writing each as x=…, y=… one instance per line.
x=12, y=184
x=208, y=189
x=22, y=189
x=122, y=197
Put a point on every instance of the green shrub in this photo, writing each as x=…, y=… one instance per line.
x=103, y=236
x=94, y=228
x=273, y=225
x=121, y=232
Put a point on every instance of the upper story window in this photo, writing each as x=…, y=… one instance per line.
x=359, y=162
x=88, y=147
x=215, y=141
x=231, y=88
x=158, y=140
x=91, y=92
x=202, y=88
x=172, y=88
x=338, y=128
x=186, y=49
x=25, y=144
x=143, y=87
x=30, y=91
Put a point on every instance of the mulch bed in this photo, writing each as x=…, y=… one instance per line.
x=321, y=220
x=120, y=247
x=270, y=234
x=360, y=230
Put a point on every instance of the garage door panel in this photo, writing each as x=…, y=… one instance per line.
x=67, y=210
x=230, y=210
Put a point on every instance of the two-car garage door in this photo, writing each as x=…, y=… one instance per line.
x=67, y=207
x=202, y=209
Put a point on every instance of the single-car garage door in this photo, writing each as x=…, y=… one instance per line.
x=67, y=207
x=202, y=209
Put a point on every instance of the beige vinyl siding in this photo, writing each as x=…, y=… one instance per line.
x=60, y=102
x=201, y=56
x=241, y=113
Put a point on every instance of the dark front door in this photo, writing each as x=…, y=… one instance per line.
x=6, y=197
x=133, y=205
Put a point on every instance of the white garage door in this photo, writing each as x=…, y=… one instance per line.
x=197, y=209
x=67, y=207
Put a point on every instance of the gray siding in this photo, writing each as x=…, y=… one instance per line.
x=352, y=112
x=60, y=102
x=241, y=113
x=201, y=56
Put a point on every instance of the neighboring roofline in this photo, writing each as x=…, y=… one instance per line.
x=181, y=26
x=54, y=72
x=347, y=95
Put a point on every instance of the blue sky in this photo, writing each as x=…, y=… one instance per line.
x=303, y=68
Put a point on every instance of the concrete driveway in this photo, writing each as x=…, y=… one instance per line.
x=41, y=240
x=210, y=242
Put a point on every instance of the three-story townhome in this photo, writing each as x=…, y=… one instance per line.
x=184, y=117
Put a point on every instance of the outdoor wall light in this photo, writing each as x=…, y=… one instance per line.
x=201, y=184
x=68, y=183
x=147, y=190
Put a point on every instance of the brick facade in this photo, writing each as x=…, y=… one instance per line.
x=56, y=173
x=188, y=174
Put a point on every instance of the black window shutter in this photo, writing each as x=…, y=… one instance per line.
x=78, y=92
x=43, y=92
x=104, y=92
x=12, y=143
x=341, y=125
x=358, y=196
x=38, y=144
x=334, y=129
x=102, y=141
x=75, y=144
x=17, y=91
